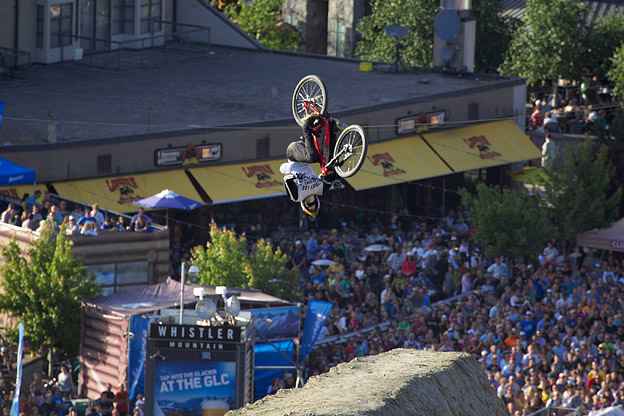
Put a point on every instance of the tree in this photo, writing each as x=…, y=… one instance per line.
x=510, y=223
x=604, y=37
x=261, y=19
x=492, y=30
x=223, y=261
x=616, y=127
x=268, y=272
x=580, y=189
x=45, y=292
x=549, y=44
x=616, y=73
x=416, y=49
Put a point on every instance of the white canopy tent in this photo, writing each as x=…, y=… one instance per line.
x=611, y=238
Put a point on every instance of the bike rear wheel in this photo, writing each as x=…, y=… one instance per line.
x=350, y=151
x=309, y=97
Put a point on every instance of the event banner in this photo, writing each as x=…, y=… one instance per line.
x=194, y=388
x=315, y=319
x=18, y=379
x=276, y=323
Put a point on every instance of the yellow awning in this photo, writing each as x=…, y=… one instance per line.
x=17, y=191
x=483, y=145
x=117, y=193
x=242, y=181
x=397, y=161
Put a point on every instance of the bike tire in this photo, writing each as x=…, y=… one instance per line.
x=309, y=97
x=353, y=145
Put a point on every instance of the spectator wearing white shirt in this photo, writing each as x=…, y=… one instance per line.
x=550, y=254
x=497, y=269
x=417, y=251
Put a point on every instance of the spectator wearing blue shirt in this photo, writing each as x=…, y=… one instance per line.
x=316, y=276
x=528, y=325
x=311, y=247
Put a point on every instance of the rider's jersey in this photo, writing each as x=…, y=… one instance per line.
x=300, y=180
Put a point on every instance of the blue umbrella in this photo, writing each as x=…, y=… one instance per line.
x=168, y=199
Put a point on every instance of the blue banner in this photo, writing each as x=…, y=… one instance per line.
x=136, y=356
x=194, y=388
x=315, y=319
x=268, y=355
x=18, y=379
x=1, y=117
x=276, y=323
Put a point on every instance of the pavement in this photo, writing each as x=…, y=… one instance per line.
x=230, y=87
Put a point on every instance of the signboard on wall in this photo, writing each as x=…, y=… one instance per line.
x=421, y=122
x=189, y=155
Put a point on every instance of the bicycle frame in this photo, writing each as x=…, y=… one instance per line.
x=325, y=126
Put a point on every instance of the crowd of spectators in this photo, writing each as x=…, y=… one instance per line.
x=547, y=332
x=36, y=212
x=53, y=398
x=585, y=109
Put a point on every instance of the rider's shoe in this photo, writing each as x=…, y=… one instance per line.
x=328, y=178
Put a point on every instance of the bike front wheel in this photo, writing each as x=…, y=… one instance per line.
x=350, y=151
x=309, y=97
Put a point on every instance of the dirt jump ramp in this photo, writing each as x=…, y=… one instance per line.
x=396, y=383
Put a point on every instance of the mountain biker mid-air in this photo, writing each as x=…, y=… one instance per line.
x=302, y=183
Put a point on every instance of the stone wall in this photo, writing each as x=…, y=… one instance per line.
x=399, y=382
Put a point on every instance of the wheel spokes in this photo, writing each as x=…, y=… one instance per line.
x=351, y=151
x=309, y=99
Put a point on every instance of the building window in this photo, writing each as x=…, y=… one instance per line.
x=151, y=14
x=104, y=164
x=473, y=111
x=123, y=17
x=61, y=22
x=263, y=148
x=40, y=27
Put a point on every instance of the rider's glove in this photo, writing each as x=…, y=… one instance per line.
x=311, y=122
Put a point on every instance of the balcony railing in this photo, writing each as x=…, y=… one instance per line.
x=184, y=42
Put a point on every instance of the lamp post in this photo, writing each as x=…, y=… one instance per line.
x=193, y=270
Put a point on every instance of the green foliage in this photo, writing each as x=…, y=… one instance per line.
x=45, y=292
x=550, y=43
x=616, y=129
x=261, y=19
x=580, y=190
x=492, y=30
x=269, y=274
x=510, y=223
x=223, y=261
x=416, y=15
x=604, y=37
x=616, y=73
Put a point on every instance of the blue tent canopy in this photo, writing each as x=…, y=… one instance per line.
x=14, y=174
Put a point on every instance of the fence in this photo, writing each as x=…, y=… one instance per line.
x=559, y=411
x=184, y=42
x=11, y=59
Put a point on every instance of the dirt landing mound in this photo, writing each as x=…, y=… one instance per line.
x=399, y=382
